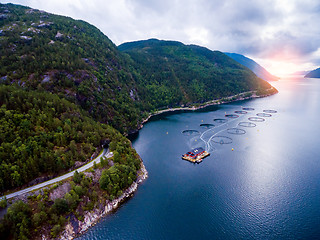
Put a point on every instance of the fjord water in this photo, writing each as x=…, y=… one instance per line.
x=268, y=187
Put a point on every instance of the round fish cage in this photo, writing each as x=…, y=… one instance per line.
x=190, y=132
x=248, y=109
x=241, y=112
x=207, y=125
x=247, y=124
x=220, y=120
x=231, y=116
x=221, y=140
x=264, y=114
x=236, y=131
x=256, y=119
x=270, y=111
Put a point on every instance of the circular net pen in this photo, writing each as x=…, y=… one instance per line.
x=241, y=112
x=264, y=114
x=236, y=131
x=190, y=132
x=221, y=140
x=247, y=124
x=220, y=120
x=270, y=111
x=207, y=125
x=231, y=116
x=256, y=119
x=248, y=109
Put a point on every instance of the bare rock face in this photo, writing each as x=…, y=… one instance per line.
x=59, y=35
x=60, y=191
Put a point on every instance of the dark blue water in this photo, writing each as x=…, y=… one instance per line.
x=268, y=187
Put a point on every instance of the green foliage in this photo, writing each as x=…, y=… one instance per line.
x=39, y=218
x=117, y=178
x=55, y=230
x=173, y=74
x=34, y=138
x=72, y=199
x=68, y=57
x=3, y=203
x=16, y=222
x=77, y=177
x=79, y=190
x=60, y=206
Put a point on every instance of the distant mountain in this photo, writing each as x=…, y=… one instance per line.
x=253, y=66
x=313, y=74
x=173, y=73
x=300, y=73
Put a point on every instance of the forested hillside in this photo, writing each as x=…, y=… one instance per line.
x=173, y=73
x=68, y=57
x=253, y=66
x=43, y=134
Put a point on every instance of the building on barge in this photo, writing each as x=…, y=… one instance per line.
x=196, y=155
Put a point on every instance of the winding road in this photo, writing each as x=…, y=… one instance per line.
x=105, y=153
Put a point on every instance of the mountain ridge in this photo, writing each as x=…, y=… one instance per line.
x=253, y=66
x=191, y=73
x=313, y=74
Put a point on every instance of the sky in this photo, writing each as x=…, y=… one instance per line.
x=281, y=35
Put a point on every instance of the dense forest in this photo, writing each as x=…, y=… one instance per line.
x=41, y=133
x=70, y=58
x=176, y=74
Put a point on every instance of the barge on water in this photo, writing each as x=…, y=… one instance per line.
x=196, y=155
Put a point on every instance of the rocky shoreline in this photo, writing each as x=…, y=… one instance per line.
x=238, y=97
x=76, y=227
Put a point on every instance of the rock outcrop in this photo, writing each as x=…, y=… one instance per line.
x=76, y=227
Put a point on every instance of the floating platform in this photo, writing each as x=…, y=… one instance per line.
x=196, y=155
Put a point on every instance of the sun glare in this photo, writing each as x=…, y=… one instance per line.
x=282, y=68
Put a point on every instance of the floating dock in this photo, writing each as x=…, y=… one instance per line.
x=196, y=155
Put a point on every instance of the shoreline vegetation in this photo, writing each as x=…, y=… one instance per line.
x=76, y=222
x=238, y=97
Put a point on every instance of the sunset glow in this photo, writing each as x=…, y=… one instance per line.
x=284, y=62
x=283, y=68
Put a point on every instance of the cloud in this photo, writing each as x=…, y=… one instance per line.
x=279, y=30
